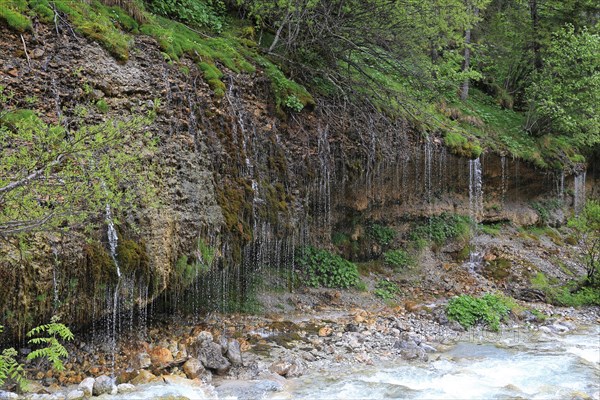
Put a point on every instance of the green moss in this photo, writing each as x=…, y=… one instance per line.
x=132, y=257
x=100, y=23
x=98, y=265
x=102, y=106
x=14, y=118
x=288, y=94
x=459, y=145
x=12, y=11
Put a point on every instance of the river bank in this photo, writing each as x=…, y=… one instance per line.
x=248, y=357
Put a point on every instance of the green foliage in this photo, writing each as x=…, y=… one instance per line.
x=489, y=309
x=569, y=295
x=200, y=13
x=586, y=227
x=9, y=367
x=443, y=227
x=54, y=333
x=293, y=103
x=322, y=268
x=383, y=235
x=397, y=259
x=490, y=229
x=564, y=94
x=386, y=289
x=54, y=179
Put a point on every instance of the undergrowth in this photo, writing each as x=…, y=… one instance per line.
x=489, y=309
x=322, y=268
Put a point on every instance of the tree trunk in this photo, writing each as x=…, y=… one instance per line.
x=464, y=90
x=535, y=22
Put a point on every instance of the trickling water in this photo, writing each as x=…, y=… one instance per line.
x=475, y=208
x=112, y=243
x=579, y=192
x=475, y=189
x=428, y=156
x=504, y=183
x=55, y=303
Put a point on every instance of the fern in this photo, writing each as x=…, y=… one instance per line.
x=53, y=350
x=10, y=368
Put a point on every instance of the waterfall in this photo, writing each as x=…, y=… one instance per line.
x=579, y=192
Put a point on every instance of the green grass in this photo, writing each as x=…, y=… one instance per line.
x=571, y=294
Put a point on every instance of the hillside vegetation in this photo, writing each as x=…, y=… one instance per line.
x=518, y=78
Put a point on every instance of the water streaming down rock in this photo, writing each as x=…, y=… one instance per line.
x=113, y=243
x=579, y=197
x=475, y=209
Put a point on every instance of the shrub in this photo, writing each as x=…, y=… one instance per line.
x=443, y=227
x=382, y=234
x=569, y=295
x=322, y=268
x=386, y=289
x=469, y=310
x=206, y=14
x=397, y=258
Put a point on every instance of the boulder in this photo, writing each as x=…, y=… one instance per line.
x=143, y=377
x=75, y=395
x=211, y=357
x=104, y=385
x=87, y=386
x=161, y=357
x=142, y=361
x=8, y=395
x=125, y=388
x=234, y=352
x=193, y=368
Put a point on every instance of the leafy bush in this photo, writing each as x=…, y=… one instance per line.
x=293, y=103
x=386, y=289
x=469, y=310
x=397, y=258
x=322, y=268
x=443, y=227
x=206, y=14
x=570, y=295
x=382, y=234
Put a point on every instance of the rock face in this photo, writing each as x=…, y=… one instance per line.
x=232, y=176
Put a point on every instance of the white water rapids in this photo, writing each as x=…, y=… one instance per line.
x=542, y=367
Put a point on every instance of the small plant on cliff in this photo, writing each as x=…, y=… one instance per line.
x=54, y=332
x=382, y=234
x=443, y=227
x=386, y=289
x=468, y=310
x=586, y=226
x=322, y=268
x=397, y=259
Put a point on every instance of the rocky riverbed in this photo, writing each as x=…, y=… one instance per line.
x=249, y=356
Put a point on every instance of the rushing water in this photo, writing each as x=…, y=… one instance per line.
x=546, y=367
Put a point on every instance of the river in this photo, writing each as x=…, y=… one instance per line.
x=540, y=366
